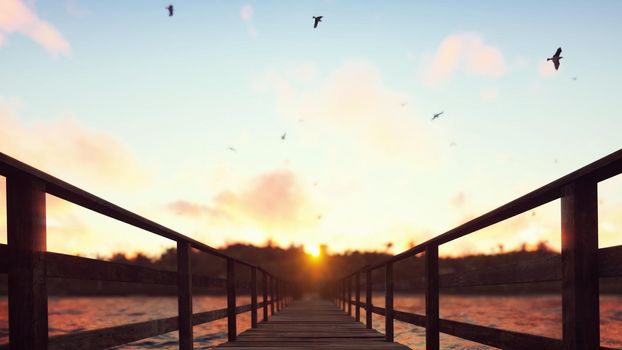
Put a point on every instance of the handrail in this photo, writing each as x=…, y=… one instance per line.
x=25, y=260
x=579, y=269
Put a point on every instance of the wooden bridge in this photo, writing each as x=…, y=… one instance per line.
x=309, y=323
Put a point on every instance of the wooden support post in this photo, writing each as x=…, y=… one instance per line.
x=343, y=294
x=388, y=318
x=265, y=295
x=357, y=297
x=581, y=324
x=253, y=297
x=26, y=236
x=271, y=295
x=431, y=298
x=184, y=295
x=349, y=279
x=231, y=315
x=368, y=303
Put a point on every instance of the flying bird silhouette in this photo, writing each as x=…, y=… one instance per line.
x=317, y=19
x=170, y=10
x=436, y=115
x=232, y=149
x=453, y=144
x=404, y=104
x=556, y=57
x=574, y=78
x=283, y=136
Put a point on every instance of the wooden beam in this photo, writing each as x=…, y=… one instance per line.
x=388, y=317
x=368, y=302
x=349, y=282
x=271, y=295
x=357, y=296
x=431, y=298
x=231, y=314
x=184, y=295
x=581, y=324
x=265, y=295
x=253, y=297
x=26, y=236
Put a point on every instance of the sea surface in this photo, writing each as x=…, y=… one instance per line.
x=539, y=315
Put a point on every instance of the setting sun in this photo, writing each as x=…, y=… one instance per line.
x=314, y=251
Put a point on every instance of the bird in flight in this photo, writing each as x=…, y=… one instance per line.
x=404, y=104
x=317, y=19
x=453, y=144
x=574, y=78
x=556, y=57
x=232, y=149
x=283, y=136
x=170, y=10
x=436, y=115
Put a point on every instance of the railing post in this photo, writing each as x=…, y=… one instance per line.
x=388, y=318
x=184, y=295
x=265, y=295
x=26, y=236
x=231, y=315
x=271, y=295
x=357, y=297
x=343, y=294
x=278, y=295
x=253, y=297
x=368, y=302
x=579, y=206
x=349, y=279
x=431, y=298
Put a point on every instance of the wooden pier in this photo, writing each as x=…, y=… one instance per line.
x=311, y=324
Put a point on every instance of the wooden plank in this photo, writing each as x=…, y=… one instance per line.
x=581, y=324
x=610, y=262
x=231, y=312
x=184, y=295
x=253, y=297
x=271, y=295
x=265, y=295
x=431, y=298
x=357, y=297
x=26, y=237
x=349, y=287
x=368, y=302
x=388, y=302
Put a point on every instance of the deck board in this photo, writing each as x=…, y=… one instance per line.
x=311, y=324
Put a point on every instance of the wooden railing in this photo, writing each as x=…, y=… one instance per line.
x=582, y=264
x=28, y=265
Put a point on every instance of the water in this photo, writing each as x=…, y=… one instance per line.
x=539, y=315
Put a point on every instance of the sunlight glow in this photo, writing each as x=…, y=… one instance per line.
x=313, y=250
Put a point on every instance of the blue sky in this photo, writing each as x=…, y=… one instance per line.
x=143, y=108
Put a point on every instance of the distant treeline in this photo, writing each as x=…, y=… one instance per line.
x=310, y=274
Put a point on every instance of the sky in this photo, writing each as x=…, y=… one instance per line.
x=142, y=109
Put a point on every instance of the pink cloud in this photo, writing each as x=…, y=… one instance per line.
x=17, y=17
x=273, y=200
x=466, y=52
x=246, y=14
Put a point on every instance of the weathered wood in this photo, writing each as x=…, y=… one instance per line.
x=349, y=283
x=278, y=295
x=253, y=297
x=231, y=314
x=368, y=302
x=357, y=297
x=431, y=298
x=184, y=295
x=311, y=324
x=265, y=295
x=581, y=324
x=26, y=237
x=610, y=262
x=271, y=295
x=388, y=317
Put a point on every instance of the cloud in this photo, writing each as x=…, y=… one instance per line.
x=273, y=201
x=354, y=100
x=465, y=52
x=17, y=17
x=70, y=151
x=246, y=14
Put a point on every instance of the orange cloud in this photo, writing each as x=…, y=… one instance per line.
x=17, y=17
x=467, y=52
x=271, y=201
x=70, y=151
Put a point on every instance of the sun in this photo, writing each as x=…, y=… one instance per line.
x=313, y=250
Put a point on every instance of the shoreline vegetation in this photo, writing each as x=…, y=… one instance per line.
x=310, y=273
